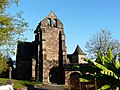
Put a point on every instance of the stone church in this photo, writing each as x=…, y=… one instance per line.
x=44, y=58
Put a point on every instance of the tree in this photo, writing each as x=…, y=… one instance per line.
x=3, y=64
x=101, y=41
x=12, y=28
x=103, y=71
x=106, y=70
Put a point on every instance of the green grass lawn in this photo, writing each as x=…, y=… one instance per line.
x=18, y=83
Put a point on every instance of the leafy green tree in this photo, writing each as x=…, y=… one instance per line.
x=100, y=42
x=3, y=64
x=12, y=28
x=105, y=70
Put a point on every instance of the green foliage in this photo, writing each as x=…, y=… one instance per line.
x=84, y=80
x=105, y=87
x=107, y=70
x=109, y=55
x=3, y=64
x=6, y=4
x=12, y=28
x=118, y=65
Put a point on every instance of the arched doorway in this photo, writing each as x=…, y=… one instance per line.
x=74, y=81
x=54, y=75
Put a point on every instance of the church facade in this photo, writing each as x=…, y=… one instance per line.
x=44, y=59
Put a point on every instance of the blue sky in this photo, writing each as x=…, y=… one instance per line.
x=81, y=18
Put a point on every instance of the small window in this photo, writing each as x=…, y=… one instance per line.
x=55, y=22
x=49, y=22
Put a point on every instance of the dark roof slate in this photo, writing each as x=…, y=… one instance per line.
x=78, y=51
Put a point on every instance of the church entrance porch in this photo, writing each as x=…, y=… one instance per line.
x=74, y=82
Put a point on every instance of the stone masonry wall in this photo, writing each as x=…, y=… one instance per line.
x=51, y=44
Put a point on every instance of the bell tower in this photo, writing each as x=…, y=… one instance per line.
x=51, y=53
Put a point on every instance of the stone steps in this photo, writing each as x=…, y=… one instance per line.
x=52, y=87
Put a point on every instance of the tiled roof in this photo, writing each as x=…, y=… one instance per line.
x=78, y=51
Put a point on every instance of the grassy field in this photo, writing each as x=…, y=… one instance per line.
x=18, y=83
